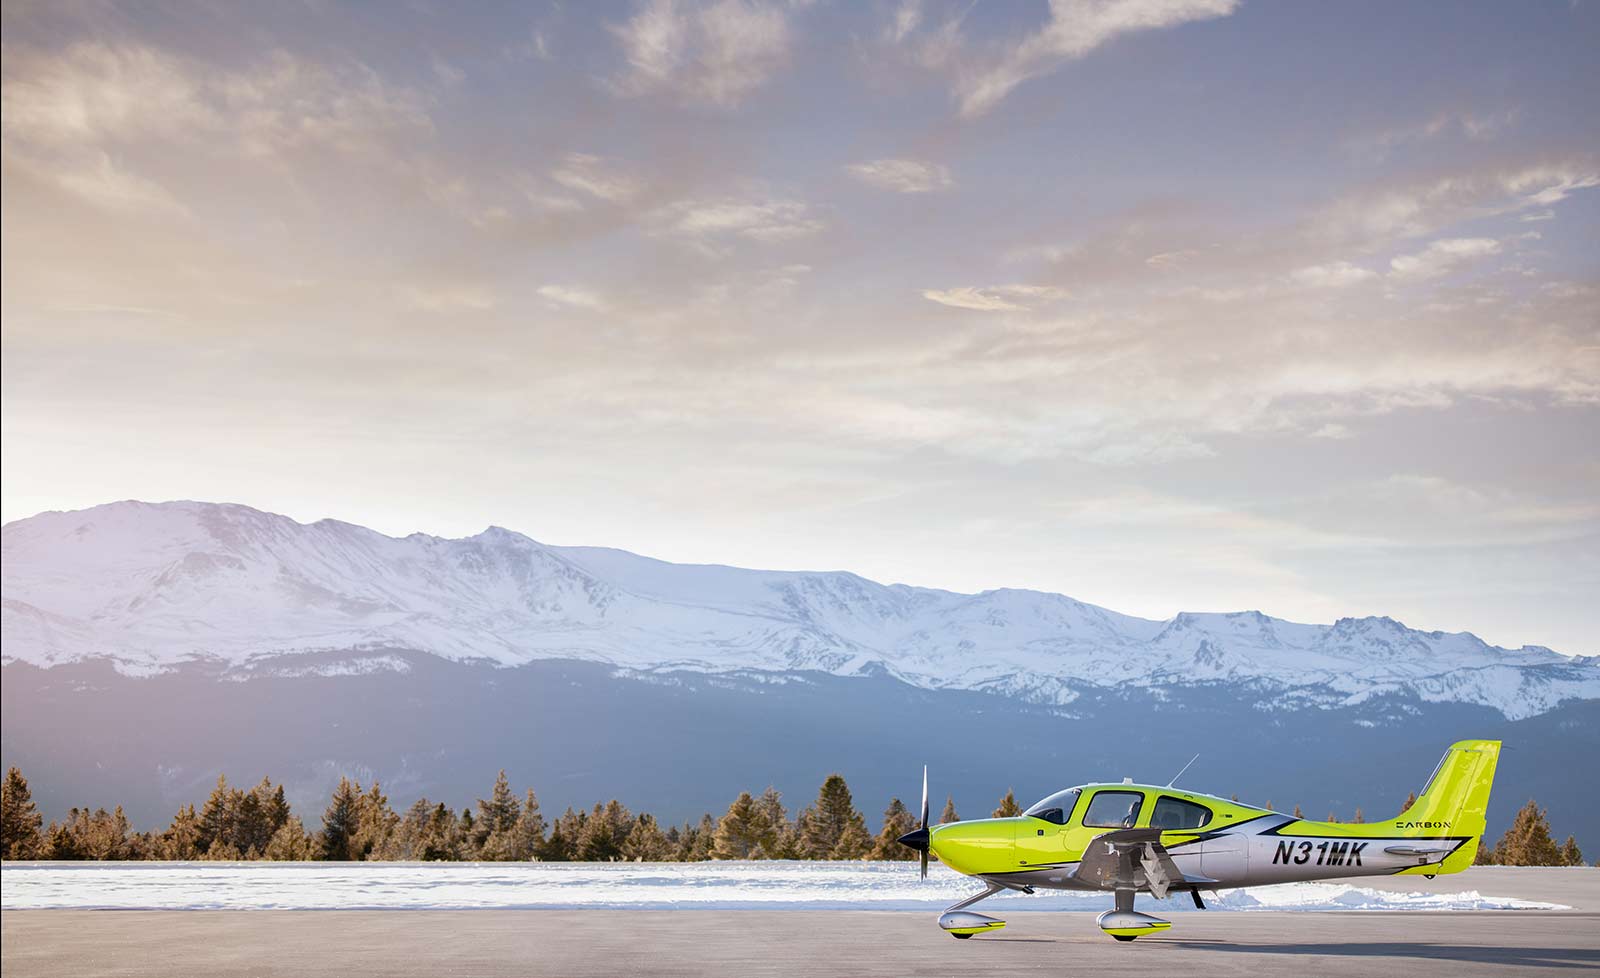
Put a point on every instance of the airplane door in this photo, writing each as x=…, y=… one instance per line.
x=1040, y=843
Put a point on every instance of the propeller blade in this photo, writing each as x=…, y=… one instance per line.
x=924, y=796
x=925, y=820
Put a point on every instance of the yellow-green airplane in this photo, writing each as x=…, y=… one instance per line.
x=1136, y=838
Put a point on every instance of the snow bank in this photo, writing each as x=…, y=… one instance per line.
x=646, y=886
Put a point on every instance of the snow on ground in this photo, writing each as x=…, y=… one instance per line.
x=643, y=886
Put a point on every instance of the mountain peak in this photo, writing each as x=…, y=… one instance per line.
x=154, y=584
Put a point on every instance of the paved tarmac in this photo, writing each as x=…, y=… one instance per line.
x=350, y=944
x=81, y=943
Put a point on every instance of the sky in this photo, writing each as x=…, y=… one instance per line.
x=1167, y=305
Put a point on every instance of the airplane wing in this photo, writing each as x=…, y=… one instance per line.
x=1131, y=858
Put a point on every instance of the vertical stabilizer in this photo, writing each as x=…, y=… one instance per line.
x=1454, y=802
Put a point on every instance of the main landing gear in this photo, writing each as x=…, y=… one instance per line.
x=1125, y=923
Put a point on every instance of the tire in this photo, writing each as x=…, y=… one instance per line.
x=962, y=937
x=1125, y=937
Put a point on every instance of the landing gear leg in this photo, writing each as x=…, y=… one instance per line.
x=1125, y=923
x=962, y=923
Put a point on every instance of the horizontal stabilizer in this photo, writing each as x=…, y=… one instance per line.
x=1418, y=850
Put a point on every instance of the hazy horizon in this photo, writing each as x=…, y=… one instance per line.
x=1167, y=305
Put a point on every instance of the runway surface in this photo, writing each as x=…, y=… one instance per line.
x=822, y=943
x=752, y=942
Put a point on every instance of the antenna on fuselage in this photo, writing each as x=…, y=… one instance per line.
x=1175, y=777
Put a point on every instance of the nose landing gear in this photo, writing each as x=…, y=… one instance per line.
x=962, y=923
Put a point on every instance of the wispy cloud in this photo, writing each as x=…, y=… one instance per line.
x=1332, y=275
x=592, y=175
x=1076, y=28
x=902, y=176
x=1440, y=257
x=715, y=54
x=995, y=298
x=769, y=220
x=576, y=298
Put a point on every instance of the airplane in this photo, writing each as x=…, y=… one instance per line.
x=1137, y=838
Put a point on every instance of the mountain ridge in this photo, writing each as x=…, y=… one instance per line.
x=152, y=585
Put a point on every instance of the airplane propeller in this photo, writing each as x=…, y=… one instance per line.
x=918, y=840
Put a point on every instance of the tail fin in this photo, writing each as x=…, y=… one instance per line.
x=1454, y=801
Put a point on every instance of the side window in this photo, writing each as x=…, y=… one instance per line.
x=1175, y=813
x=1114, y=810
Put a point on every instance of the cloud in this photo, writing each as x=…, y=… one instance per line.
x=1333, y=430
x=1440, y=257
x=1470, y=125
x=591, y=175
x=716, y=54
x=449, y=298
x=573, y=297
x=96, y=95
x=906, y=18
x=1332, y=275
x=93, y=91
x=1379, y=214
x=902, y=176
x=1076, y=28
x=994, y=298
x=759, y=220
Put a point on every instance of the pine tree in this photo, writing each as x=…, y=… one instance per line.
x=60, y=843
x=375, y=823
x=601, y=838
x=290, y=843
x=832, y=828
x=949, y=814
x=433, y=843
x=562, y=846
x=1571, y=855
x=497, y=822
x=1361, y=817
x=250, y=832
x=276, y=806
x=782, y=842
x=698, y=840
x=745, y=832
x=340, y=822
x=111, y=835
x=530, y=828
x=464, y=836
x=216, y=817
x=897, y=821
x=19, y=819
x=1297, y=812
x=1527, y=842
x=181, y=839
x=1008, y=806
x=646, y=844
x=1411, y=799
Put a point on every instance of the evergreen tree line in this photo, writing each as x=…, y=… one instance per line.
x=359, y=824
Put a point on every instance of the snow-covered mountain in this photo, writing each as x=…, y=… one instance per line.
x=153, y=586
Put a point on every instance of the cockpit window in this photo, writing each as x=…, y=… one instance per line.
x=1114, y=810
x=1174, y=813
x=1057, y=808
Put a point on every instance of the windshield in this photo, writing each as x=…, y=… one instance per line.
x=1057, y=808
